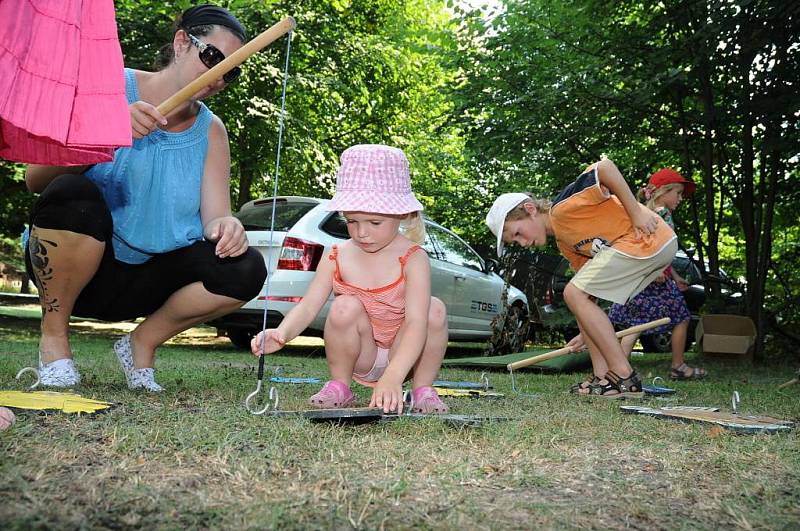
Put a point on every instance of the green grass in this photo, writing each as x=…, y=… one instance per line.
x=193, y=457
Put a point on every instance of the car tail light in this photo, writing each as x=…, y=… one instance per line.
x=278, y=298
x=299, y=255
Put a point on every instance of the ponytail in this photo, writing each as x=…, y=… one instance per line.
x=413, y=228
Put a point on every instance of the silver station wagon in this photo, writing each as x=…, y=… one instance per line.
x=305, y=233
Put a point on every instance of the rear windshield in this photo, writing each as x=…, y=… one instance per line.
x=259, y=216
x=335, y=226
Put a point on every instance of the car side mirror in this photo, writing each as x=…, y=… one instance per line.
x=492, y=265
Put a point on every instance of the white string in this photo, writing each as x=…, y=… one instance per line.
x=275, y=184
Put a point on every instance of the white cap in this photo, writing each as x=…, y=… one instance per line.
x=496, y=217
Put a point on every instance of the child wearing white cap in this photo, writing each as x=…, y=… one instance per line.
x=615, y=245
x=383, y=324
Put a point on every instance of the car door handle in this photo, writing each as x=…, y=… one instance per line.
x=460, y=277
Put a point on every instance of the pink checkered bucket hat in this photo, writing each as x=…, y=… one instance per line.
x=374, y=178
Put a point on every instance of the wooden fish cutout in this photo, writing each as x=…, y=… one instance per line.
x=711, y=415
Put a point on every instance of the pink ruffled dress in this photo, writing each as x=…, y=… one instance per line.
x=62, y=84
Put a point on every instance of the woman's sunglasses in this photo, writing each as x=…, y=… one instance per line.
x=211, y=56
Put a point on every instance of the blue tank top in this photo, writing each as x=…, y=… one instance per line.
x=153, y=187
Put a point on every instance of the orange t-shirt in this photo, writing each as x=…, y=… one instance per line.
x=585, y=218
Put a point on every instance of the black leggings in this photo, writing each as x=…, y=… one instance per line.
x=120, y=291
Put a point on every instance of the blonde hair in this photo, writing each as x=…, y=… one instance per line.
x=519, y=212
x=413, y=227
x=650, y=194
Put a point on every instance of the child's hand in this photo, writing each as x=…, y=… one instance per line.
x=682, y=286
x=388, y=395
x=273, y=339
x=644, y=222
x=660, y=278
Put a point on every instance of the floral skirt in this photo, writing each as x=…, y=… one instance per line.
x=658, y=300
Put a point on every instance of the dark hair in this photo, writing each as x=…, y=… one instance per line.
x=199, y=20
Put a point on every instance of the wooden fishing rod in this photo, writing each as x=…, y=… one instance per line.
x=566, y=350
x=229, y=63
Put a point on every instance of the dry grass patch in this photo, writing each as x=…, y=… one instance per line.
x=193, y=457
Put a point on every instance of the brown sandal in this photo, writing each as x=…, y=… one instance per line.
x=684, y=372
x=617, y=387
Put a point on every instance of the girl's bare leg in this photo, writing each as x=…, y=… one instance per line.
x=679, y=334
x=349, y=344
x=429, y=363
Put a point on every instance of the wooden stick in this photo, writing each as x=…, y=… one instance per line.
x=229, y=63
x=566, y=350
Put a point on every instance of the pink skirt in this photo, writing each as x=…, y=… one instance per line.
x=62, y=84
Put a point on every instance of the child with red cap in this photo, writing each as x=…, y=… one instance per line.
x=665, y=190
x=615, y=245
x=383, y=324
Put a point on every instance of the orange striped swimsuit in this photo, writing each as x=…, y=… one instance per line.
x=385, y=306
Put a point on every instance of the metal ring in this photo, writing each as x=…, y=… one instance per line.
x=273, y=396
x=485, y=381
x=34, y=371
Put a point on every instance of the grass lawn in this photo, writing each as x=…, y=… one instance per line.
x=193, y=457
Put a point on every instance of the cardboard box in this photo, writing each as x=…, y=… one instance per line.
x=723, y=336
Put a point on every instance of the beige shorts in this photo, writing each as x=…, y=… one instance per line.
x=616, y=277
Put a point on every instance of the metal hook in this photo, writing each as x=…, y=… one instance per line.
x=656, y=379
x=271, y=403
x=735, y=402
x=485, y=381
x=514, y=386
x=34, y=371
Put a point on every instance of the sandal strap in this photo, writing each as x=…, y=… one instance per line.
x=631, y=384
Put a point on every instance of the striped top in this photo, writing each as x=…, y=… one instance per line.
x=385, y=306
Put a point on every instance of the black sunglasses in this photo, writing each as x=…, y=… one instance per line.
x=211, y=56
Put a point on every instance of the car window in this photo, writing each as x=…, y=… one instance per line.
x=452, y=249
x=287, y=214
x=335, y=225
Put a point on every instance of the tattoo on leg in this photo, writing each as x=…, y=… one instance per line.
x=37, y=249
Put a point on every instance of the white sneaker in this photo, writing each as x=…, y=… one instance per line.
x=136, y=378
x=59, y=373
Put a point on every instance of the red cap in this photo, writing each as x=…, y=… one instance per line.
x=669, y=176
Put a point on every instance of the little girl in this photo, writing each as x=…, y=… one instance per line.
x=615, y=245
x=383, y=324
x=664, y=192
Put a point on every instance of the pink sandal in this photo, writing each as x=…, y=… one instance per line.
x=426, y=400
x=333, y=394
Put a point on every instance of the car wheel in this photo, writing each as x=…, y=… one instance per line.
x=661, y=342
x=241, y=337
x=514, y=332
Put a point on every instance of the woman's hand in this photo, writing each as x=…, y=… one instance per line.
x=145, y=119
x=388, y=394
x=267, y=342
x=229, y=235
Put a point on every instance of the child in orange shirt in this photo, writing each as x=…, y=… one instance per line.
x=616, y=246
